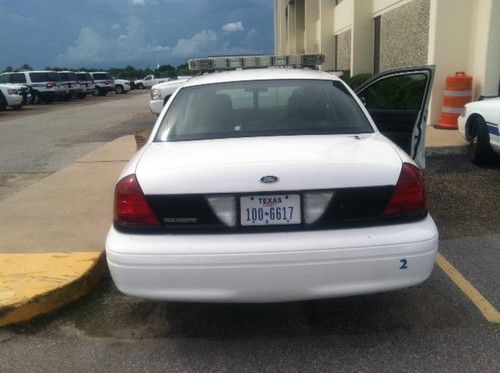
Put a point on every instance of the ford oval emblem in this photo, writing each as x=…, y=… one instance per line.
x=269, y=179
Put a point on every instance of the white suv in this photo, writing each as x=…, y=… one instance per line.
x=44, y=85
x=104, y=83
x=86, y=82
x=70, y=83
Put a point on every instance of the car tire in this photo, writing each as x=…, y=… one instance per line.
x=35, y=98
x=17, y=107
x=103, y=92
x=140, y=86
x=97, y=91
x=119, y=89
x=479, y=143
x=3, y=102
x=48, y=100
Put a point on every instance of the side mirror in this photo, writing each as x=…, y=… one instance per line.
x=363, y=100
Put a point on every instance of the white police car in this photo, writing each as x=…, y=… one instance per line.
x=479, y=123
x=103, y=82
x=11, y=95
x=276, y=184
x=161, y=92
x=43, y=85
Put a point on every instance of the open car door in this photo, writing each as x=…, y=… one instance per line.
x=397, y=100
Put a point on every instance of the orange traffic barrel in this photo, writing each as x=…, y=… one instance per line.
x=457, y=93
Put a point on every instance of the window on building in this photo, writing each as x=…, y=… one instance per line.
x=376, y=45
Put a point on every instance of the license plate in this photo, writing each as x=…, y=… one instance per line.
x=279, y=209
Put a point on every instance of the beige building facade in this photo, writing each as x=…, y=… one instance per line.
x=369, y=36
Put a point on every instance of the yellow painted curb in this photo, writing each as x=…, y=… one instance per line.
x=38, y=283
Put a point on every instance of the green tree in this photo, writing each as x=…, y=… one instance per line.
x=8, y=69
x=25, y=67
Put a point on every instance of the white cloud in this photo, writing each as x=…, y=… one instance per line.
x=132, y=45
x=203, y=42
x=233, y=27
x=138, y=2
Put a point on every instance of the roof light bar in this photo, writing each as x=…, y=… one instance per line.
x=236, y=62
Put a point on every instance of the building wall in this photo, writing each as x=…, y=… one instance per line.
x=453, y=35
x=404, y=35
x=343, y=58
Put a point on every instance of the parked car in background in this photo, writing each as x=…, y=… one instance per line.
x=11, y=95
x=267, y=185
x=122, y=86
x=148, y=81
x=86, y=82
x=43, y=86
x=479, y=123
x=19, y=80
x=160, y=93
x=103, y=82
x=70, y=83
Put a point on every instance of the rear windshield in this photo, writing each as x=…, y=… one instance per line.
x=84, y=76
x=44, y=77
x=102, y=76
x=262, y=108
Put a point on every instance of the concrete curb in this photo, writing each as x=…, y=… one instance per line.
x=72, y=287
x=53, y=234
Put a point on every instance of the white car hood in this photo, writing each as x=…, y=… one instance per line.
x=236, y=165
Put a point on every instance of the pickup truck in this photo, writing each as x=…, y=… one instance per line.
x=149, y=81
x=160, y=93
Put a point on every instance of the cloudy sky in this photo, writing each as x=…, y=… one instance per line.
x=115, y=33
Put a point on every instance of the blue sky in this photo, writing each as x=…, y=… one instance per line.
x=115, y=33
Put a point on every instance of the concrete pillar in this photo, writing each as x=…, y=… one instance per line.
x=280, y=27
x=311, y=17
x=299, y=26
x=484, y=53
x=449, y=36
x=291, y=44
x=326, y=38
x=362, y=38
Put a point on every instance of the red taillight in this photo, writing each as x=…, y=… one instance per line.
x=408, y=197
x=131, y=207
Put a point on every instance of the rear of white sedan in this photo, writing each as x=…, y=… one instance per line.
x=268, y=185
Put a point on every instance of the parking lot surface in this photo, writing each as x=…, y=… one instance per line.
x=41, y=139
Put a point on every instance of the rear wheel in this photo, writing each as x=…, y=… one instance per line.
x=479, y=145
x=103, y=92
x=35, y=98
x=3, y=102
x=17, y=107
x=140, y=86
x=119, y=89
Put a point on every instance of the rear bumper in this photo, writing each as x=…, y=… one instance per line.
x=272, y=267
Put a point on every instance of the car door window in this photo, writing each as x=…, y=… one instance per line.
x=397, y=102
x=396, y=93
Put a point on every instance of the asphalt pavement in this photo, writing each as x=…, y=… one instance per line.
x=41, y=139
